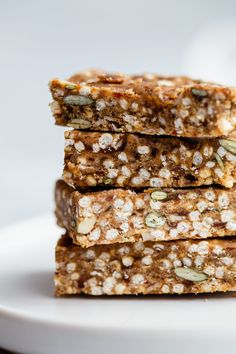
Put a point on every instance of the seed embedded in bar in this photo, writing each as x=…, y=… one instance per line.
x=77, y=100
x=159, y=195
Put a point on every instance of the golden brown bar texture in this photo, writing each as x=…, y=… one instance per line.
x=179, y=267
x=119, y=215
x=147, y=104
x=132, y=160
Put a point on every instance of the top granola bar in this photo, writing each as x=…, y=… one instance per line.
x=147, y=104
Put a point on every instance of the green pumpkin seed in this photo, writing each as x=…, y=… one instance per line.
x=70, y=86
x=155, y=220
x=159, y=195
x=199, y=93
x=107, y=180
x=219, y=160
x=229, y=145
x=78, y=100
x=190, y=274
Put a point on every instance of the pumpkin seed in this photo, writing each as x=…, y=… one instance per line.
x=159, y=195
x=229, y=145
x=154, y=219
x=190, y=274
x=107, y=180
x=70, y=86
x=219, y=160
x=199, y=93
x=78, y=100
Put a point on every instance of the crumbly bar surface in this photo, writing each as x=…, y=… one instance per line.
x=132, y=160
x=147, y=104
x=179, y=267
x=119, y=215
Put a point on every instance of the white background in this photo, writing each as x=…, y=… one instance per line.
x=44, y=39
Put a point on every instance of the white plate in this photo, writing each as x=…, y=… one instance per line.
x=33, y=321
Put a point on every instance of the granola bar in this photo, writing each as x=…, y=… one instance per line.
x=119, y=215
x=132, y=160
x=147, y=104
x=179, y=267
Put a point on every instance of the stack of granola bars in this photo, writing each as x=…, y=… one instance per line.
x=131, y=227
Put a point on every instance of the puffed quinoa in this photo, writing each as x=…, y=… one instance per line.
x=147, y=260
x=142, y=150
x=219, y=272
x=90, y=254
x=198, y=261
x=127, y=261
x=187, y=261
x=79, y=146
x=84, y=202
x=95, y=234
x=178, y=288
x=111, y=234
x=120, y=289
x=108, y=285
x=148, y=251
x=70, y=267
x=177, y=263
x=123, y=250
x=173, y=233
x=123, y=157
x=156, y=182
x=100, y=105
x=137, y=279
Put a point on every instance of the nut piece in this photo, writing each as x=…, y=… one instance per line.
x=158, y=195
x=85, y=226
x=219, y=160
x=91, y=181
x=199, y=93
x=229, y=145
x=78, y=100
x=154, y=220
x=190, y=274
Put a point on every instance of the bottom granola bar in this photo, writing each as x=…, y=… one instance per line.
x=176, y=267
